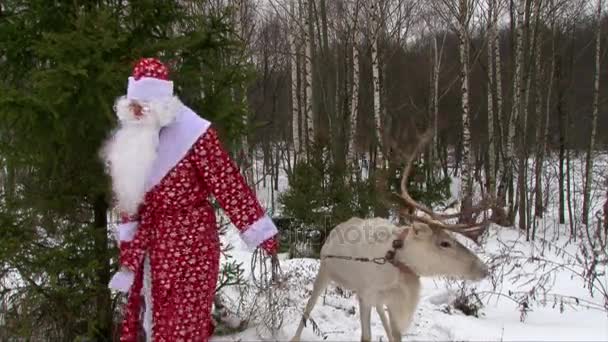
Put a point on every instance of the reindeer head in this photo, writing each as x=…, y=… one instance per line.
x=432, y=251
x=429, y=248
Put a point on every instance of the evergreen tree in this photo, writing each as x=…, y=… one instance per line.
x=62, y=64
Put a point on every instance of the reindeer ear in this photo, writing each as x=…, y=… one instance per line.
x=421, y=229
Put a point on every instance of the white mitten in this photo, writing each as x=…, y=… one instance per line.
x=122, y=281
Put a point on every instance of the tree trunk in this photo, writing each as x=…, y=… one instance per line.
x=293, y=59
x=302, y=10
x=437, y=58
x=103, y=303
x=376, y=82
x=467, y=163
x=569, y=194
x=308, y=76
x=562, y=142
x=326, y=72
x=540, y=123
x=324, y=30
x=491, y=135
x=502, y=134
x=247, y=152
x=435, y=99
x=340, y=97
x=277, y=169
x=606, y=216
x=594, y=115
x=466, y=190
x=542, y=128
x=354, y=108
x=518, y=88
x=533, y=71
x=530, y=37
x=9, y=182
x=522, y=115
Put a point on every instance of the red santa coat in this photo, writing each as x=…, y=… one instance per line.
x=176, y=233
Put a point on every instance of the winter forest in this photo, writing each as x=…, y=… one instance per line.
x=496, y=106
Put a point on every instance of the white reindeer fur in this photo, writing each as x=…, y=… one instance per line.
x=383, y=286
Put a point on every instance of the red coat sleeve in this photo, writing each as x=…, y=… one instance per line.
x=132, y=240
x=134, y=237
x=222, y=176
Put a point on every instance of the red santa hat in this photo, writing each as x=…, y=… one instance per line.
x=149, y=81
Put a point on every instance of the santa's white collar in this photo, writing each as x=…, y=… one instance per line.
x=175, y=140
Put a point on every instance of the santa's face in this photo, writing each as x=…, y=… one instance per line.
x=130, y=152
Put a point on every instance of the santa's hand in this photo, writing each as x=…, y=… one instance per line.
x=122, y=281
x=271, y=246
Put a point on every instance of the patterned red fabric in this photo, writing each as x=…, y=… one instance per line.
x=150, y=67
x=271, y=246
x=178, y=229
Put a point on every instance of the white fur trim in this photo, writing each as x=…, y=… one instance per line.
x=147, y=292
x=126, y=231
x=148, y=88
x=258, y=232
x=122, y=281
x=176, y=140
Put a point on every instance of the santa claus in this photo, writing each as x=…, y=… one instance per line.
x=165, y=162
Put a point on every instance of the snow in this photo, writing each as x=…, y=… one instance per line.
x=338, y=318
x=545, y=273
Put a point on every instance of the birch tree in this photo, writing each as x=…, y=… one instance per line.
x=542, y=127
x=330, y=70
x=437, y=58
x=499, y=97
x=303, y=30
x=594, y=115
x=374, y=19
x=518, y=88
x=308, y=33
x=436, y=54
x=293, y=65
x=465, y=12
x=239, y=7
x=533, y=53
x=461, y=13
x=562, y=140
x=492, y=26
x=354, y=100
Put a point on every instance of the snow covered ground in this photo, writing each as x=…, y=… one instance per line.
x=500, y=320
x=546, y=275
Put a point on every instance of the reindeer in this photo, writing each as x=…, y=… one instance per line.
x=382, y=262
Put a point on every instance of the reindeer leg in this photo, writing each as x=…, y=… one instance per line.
x=400, y=317
x=319, y=286
x=365, y=311
x=385, y=323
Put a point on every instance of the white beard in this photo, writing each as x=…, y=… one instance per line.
x=130, y=152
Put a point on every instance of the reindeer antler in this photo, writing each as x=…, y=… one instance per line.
x=471, y=231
